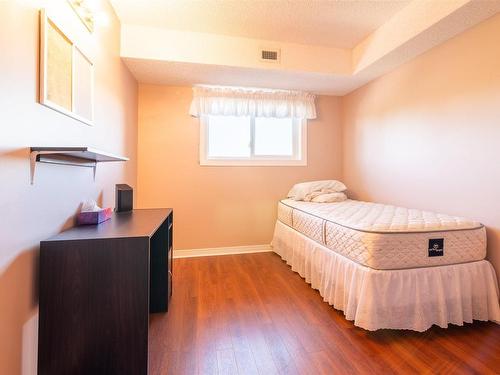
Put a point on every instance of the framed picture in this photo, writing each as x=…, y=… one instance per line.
x=66, y=74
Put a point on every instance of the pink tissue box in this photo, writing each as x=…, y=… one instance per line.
x=96, y=217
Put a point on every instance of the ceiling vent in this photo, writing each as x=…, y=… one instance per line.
x=270, y=55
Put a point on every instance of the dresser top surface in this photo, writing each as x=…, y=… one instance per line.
x=137, y=223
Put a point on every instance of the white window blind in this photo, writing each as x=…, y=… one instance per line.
x=225, y=101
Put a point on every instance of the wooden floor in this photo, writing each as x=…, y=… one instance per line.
x=250, y=314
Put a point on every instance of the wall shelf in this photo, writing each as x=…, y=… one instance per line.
x=77, y=156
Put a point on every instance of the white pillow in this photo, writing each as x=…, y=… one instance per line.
x=299, y=191
x=330, y=198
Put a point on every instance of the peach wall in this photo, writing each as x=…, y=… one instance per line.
x=28, y=213
x=219, y=206
x=427, y=135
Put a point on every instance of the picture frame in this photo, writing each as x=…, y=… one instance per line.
x=66, y=73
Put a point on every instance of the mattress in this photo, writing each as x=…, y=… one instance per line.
x=386, y=237
x=413, y=298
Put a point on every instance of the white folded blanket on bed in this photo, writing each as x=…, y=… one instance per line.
x=308, y=191
x=325, y=196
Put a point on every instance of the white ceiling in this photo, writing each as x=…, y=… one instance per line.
x=327, y=47
x=187, y=74
x=340, y=23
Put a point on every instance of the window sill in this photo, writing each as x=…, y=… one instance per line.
x=253, y=163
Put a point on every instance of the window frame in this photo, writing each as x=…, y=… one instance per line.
x=299, y=157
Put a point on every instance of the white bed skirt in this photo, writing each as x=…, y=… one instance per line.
x=397, y=299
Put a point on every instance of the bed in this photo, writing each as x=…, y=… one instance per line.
x=387, y=266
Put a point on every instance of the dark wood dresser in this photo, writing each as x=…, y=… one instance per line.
x=98, y=285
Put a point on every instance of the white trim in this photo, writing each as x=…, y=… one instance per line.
x=252, y=163
x=189, y=253
x=299, y=149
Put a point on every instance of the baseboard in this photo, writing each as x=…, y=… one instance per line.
x=189, y=253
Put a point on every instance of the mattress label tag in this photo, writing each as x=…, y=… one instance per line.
x=436, y=247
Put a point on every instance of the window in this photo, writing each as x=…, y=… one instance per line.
x=246, y=140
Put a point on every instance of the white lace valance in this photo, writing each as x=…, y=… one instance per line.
x=223, y=101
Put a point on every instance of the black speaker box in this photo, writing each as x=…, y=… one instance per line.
x=124, y=195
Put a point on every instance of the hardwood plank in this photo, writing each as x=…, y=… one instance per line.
x=245, y=362
x=250, y=314
x=303, y=363
x=187, y=363
x=226, y=362
x=207, y=362
x=281, y=357
x=327, y=363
